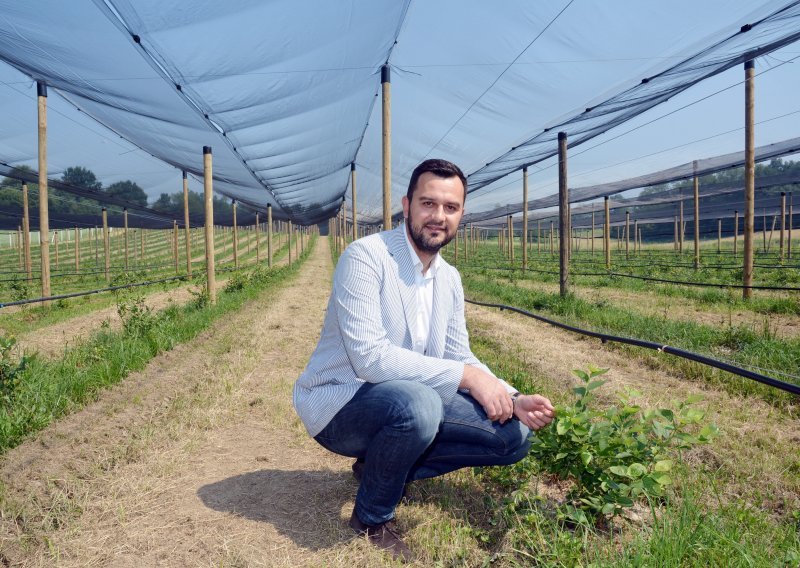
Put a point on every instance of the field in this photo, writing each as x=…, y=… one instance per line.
x=181, y=447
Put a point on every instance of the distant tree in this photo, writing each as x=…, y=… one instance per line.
x=82, y=177
x=163, y=203
x=127, y=190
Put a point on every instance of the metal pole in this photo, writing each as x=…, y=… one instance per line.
x=208, y=195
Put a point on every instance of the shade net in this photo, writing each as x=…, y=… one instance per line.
x=287, y=92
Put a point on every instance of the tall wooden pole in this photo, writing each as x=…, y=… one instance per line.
x=289, y=234
x=77, y=250
x=258, y=241
x=387, y=147
x=525, y=218
x=627, y=233
x=208, y=195
x=235, y=238
x=607, y=234
x=680, y=226
x=269, y=236
x=783, y=222
x=675, y=240
x=125, y=228
x=26, y=231
x=592, y=237
x=789, y=248
x=44, y=216
x=749, y=179
x=696, y=183
x=511, y=238
x=106, y=246
x=186, y=227
x=719, y=236
x=563, y=213
x=353, y=195
x=735, y=232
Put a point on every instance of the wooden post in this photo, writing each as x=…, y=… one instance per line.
x=511, y=238
x=552, y=244
x=387, y=147
x=675, y=241
x=592, y=237
x=749, y=179
x=258, y=241
x=681, y=228
x=564, y=229
x=538, y=237
x=637, y=244
x=353, y=198
x=77, y=250
x=289, y=235
x=125, y=234
x=106, y=246
x=208, y=194
x=186, y=226
x=719, y=236
x=627, y=233
x=44, y=216
x=525, y=218
x=607, y=234
x=175, y=244
x=735, y=233
x=55, y=243
x=269, y=236
x=696, y=183
x=235, y=238
x=764, y=231
x=26, y=232
x=789, y=248
x=783, y=223
x=20, y=253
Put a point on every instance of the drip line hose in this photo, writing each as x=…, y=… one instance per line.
x=764, y=379
x=619, y=274
x=109, y=289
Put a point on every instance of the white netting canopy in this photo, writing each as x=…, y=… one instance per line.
x=287, y=92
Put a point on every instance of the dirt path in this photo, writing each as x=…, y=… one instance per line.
x=197, y=461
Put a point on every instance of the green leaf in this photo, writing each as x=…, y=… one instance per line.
x=693, y=398
x=595, y=384
x=580, y=391
x=636, y=470
x=663, y=465
x=620, y=470
x=608, y=508
x=562, y=426
x=586, y=457
x=581, y=375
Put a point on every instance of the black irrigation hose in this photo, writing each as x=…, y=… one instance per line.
x=76, y=294
x=621, y=275
x=110, y=289
x=764, y=379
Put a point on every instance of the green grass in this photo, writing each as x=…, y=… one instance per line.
x=50, y=389
x=703, y=520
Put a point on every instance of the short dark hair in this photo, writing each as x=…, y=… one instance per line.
x=439, y=168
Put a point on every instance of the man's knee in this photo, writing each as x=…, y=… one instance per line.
x=416, y=408
x=517, y=442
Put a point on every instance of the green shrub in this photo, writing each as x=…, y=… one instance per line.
x=618, y=455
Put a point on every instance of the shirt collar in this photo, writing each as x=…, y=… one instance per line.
x=432, y=269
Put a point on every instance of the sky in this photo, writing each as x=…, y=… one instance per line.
x=469, y=81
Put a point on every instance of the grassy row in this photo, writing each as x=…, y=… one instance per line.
x=42, y=391
x=738, y=344
x=502, y=513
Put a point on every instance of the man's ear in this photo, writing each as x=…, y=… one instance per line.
x=405, y=206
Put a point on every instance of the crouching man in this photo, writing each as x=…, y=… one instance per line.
x=393, y=382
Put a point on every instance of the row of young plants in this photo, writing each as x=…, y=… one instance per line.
x=624, y=495
x=34, y=391
x=739, y=345
x=32, y=317
x=158, y=263
x=544, y=267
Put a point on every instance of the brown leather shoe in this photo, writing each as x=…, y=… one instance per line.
x=385, y=536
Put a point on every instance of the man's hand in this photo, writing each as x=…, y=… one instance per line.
x=534, y=410
x=489, y=392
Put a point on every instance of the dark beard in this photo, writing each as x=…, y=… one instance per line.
x=423, y=243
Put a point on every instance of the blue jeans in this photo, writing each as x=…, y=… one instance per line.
x=403, y=432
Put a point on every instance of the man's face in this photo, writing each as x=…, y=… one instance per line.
x=434, y=212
